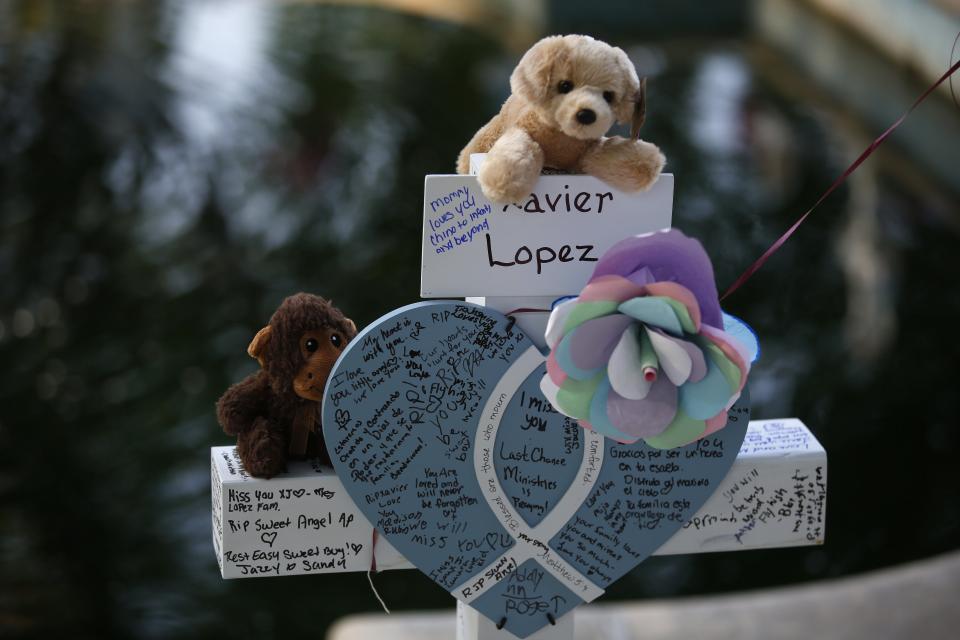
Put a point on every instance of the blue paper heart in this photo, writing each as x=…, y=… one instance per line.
x=439, y=431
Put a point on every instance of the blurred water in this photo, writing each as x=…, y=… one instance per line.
x=169, y=171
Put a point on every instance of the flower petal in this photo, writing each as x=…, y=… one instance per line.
x=732, y=401
x=641, y=276
x=647, y=417
x=584, y=311
x=598, y=414
x=682, y=295
x=668, y=255
x=573, y=399
x=731, y=371
x=554, y=371
x=731, y=349
x=653, y=311
x=586, y=349
x=682, y=313
x=698, y=361
x=716, y=423
x=683, y=430
x=607, y=288
x=743, y=336
x=549, y=389
x=624, y=369
x=706, y=398
x=674, y=359
x=699, y=369
x=556, y=321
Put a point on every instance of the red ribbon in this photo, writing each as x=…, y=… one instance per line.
x=753, y=268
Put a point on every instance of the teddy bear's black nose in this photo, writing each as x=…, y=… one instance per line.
x=586, y=116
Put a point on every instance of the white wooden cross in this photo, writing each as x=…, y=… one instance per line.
x=303, y=521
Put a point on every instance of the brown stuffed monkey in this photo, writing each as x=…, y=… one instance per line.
x=275, y=413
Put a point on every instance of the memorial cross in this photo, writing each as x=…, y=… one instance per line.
x=304, y=522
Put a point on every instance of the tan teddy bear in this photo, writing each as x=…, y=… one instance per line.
x=567, y=93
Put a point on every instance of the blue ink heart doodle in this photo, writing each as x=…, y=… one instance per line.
x=440, y=433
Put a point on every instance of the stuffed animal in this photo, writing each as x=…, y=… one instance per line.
x=567, y=93
x=275, y=413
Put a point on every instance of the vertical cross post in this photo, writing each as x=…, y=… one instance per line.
x=473, y=626
x=552, y=244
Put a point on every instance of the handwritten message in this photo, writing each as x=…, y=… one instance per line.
x=291, y=525
x=455, y=220
x=773, y=436
x=535, y=466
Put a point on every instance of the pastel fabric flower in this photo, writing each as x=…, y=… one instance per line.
x=642, y=351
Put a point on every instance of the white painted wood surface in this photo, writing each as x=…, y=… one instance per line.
x=546, y=245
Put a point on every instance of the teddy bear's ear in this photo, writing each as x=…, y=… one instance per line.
x=631, y=89
x=639, y=110
x=533, y=77
x=259, y=343
x=352, y=325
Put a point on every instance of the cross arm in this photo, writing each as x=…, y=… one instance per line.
x=303, y=521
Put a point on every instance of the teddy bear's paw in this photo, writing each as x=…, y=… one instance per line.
x=511, y=167
x=505, y=179
x=628, y=165
x=647, y=163
x=503, y=183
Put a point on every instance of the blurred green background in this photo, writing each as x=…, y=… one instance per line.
x=170, y=170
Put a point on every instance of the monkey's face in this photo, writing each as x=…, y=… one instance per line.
x=319, y=349
x=302, y=342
